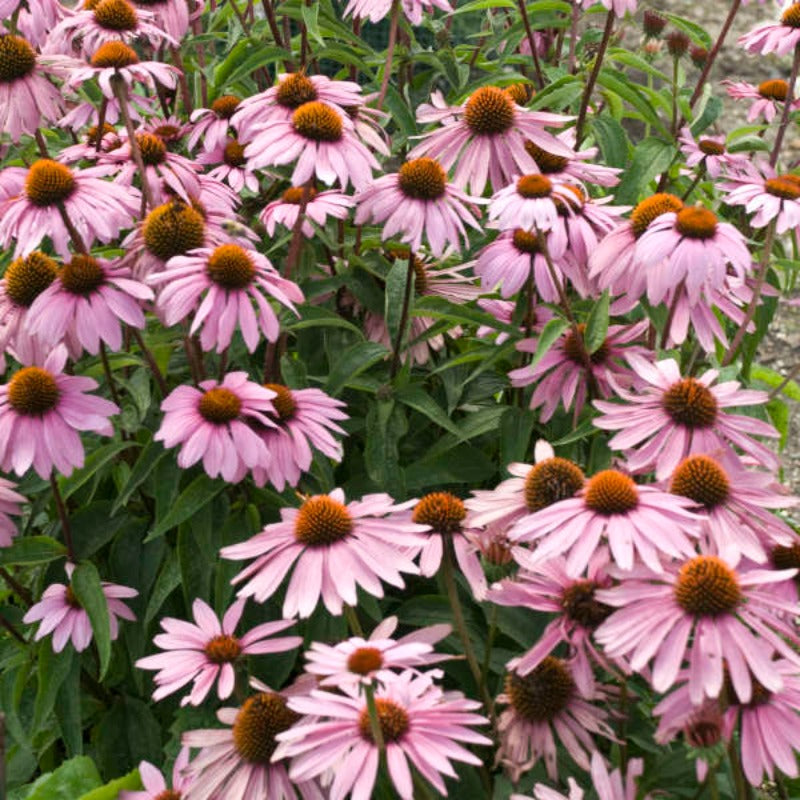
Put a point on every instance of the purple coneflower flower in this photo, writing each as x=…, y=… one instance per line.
x=532, y=203
x=333, y=548
x=767, y=95
x=770, y=37
x=211, y=124
x=503, y=311
x=673, y=417
x=61, y=613
x=319, y=207
x=155, y=787
x=577, y=168
x=770, y=195
x=171, y=15
x=41, y=412
x=709, y=153
x=232, y=166
x=35, y=18
x=376, y=10
x=10, y=502
x=205, y=652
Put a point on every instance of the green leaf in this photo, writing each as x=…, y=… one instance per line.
x=198, y=494
x=597, y=324
x=774, y=379
x=127, y=734
x=516, y=427
x=93, y=526
x=111, y=790
x=550, y=333
x=421, y=401
x=89, y=591
x=51, y=671
x=386, y=424
x=355, y=360
x=651, y=157
x=319, y=317
x=27, y=550
x=618, y=83
x=439, y=308
x=72, y=779
x=169, y=578
x=691, y=29
x=152, y=453
x=68, y=710
x=395, y=296
x=559, y=94
x=613, y=140
x=94, y=462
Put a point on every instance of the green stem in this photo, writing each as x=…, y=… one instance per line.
x=374, y=719
x=787, y=109
x=352, y=621
x=401, y=328
x=674, y=123
x=743, y=789
x=532, y=42
x=63, y=517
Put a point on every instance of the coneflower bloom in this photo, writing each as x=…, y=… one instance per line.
x=770, y=195
x=734, y=501
x=239, y=760
x=578, y=613
x=211, y=124
x=205, y=652
x=10, y=502
x=633, y=519
x=543, y=705
x=358, y=660
x=35, y=18
x=710, y=154
x=671, y=417
x=330, y=548
x=532, y=487
x=41, y=411
x=304, y=420
x=770, y=37
x=419, y=724
x=96, y=208
x=322, y=142
x=703, y=611
x=61, y=613
x=214, y=423
x=561, y=374
x=232, y=166
x=26, y=95
x=376, y=10
x=503, y=312
x=579, y=167
x=532, y=202
x=767, y=95
x=230, y=279
x=418, y=201
x=485, y=138
x=171, y=15
x=155, y=787
x=108, y=20
x=319, y=206
x=87, y=303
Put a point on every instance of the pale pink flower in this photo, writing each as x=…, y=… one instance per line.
x=330, y=548
x=418, y=201
x=578, y=167
x=671, y=417
x=61, y=613
x=485, y=138
x=767, y=96
x=171, y=15
x=41, y=411
x=561, y=374
x=503, y=312
x=770, y=37
x=97, y=209
x=304, y=420
x=703, y=611
x=239, y=762
x=232, y=166
x=155, y=787
x=641, y=520
x=532, y=203
x=710, y=154
x=87, y=304
x=26, y=95
x=420, y=724
x=213, y=423
x=770, y=195
x=231, y=280
x=10, y=502
x=319, y=207
x=542, y=705
x=358, y=660
x=36, y=18
x=205, y=652
x=211, y=124
x=376, y=10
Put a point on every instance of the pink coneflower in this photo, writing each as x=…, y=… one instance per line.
x=767, y=95
x=87, y=304
x=205, y=652
x=155, y=787
x=691, y=245
x=485, y=137
x=108, y=20
x=333, y=547
x=710, y=154
x=542, y=703
x=532, y=203
x=533, y=487
x=305, y=420
x=358, y=660
x=376, y=10
x=10, y=502
x=735, y=502
x=640, y=519
x=35, y=18
x=577, y=168
x=548, y=588
x=211, y=124
x=96, y=208
x=417, y=201
x=321, y=140
x=239, y=761
x=561, y=374
x=171, y=15
x=319, y=206
x=62, y=614
x=232, y=166
x=770, y=37
x=26, y=95
x=673, y=417
x=503, y=311
x=41, y=412
x=232, y=279
x=213, y=423
x=770, y=195
x=419, y=724
x=292, y=90
x=704, y=611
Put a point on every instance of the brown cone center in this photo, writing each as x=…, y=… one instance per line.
x=611, y=492
x=443, y=511
x=48, y=183
x=17, y=58
x=317, y=122
x=706, y=587
x=219, y=405
x=260, y=719
x=26, y=278
x=489, y=111
x=33, y=391
x=322, y=521
x=552, y=480
x=544, y=693
x=422, y=179
x=691, y=404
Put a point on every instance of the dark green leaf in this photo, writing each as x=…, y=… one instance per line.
x=88, y=589
x=152, y=453
x=651, y=157
x=353, y=361
x=51, y=671
x=169, y=578
x=198, y=494
x=127, y=734
x=613, y=140
x=68, y=710
x=318, y=317
x=72, y=779
x=93, y=526
x=31, y=550
x=550, y=333
x=421, y=401
x=597, y=324
x=395, y=296
x=94, y=462
x=516, y=427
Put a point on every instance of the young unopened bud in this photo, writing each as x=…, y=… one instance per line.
x=677, y=43
x=699, y=56
x=653, y=24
